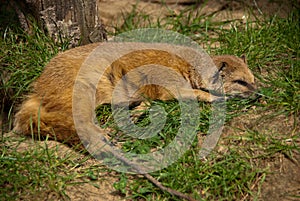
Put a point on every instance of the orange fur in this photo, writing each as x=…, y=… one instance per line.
x=48, y=109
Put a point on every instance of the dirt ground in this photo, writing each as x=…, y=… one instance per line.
x=113, y=11
x=285, y=177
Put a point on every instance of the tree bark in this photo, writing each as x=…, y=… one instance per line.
x=74, y=20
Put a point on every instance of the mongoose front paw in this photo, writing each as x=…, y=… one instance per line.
x=218, y=98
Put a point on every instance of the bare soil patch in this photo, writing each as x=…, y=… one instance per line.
x=283, y=180
x=114, y=11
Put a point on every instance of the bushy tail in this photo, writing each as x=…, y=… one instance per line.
x=34, y=119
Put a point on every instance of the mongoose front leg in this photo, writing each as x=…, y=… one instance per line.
x=184, y=94
x=139, y=111
x=200, y=95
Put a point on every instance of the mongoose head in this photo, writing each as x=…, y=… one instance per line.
x=238, y=80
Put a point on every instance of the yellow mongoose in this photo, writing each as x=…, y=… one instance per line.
x=48, y=108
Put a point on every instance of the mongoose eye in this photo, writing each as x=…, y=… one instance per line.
x=241, y=82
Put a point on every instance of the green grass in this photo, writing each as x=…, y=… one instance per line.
x=272, y=47
x=36, y=170
x=20, y=64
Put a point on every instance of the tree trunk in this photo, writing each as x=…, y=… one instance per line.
x=75, y=20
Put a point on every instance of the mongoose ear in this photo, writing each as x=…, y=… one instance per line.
x=220, y=73
x=222, y=66
x=243, y=57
